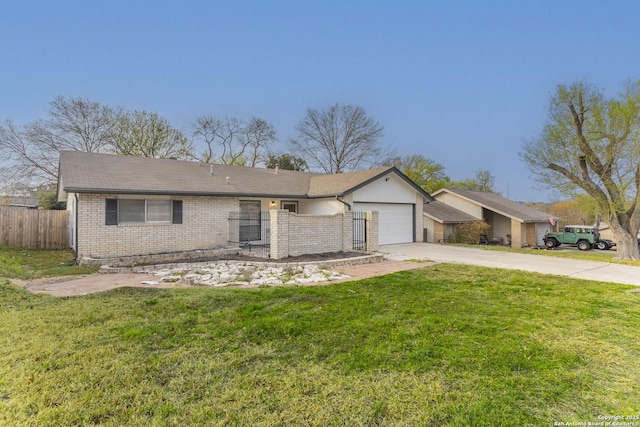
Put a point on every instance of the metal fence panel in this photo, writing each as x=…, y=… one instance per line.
x=359, y=231
x=250, y=231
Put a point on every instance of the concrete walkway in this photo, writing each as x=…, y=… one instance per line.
x=396, y=259
x=589, y=270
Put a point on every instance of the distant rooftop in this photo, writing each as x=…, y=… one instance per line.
x=21, y=201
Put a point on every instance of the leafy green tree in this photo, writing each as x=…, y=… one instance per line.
x=591, y=145
x=427, y=173
x=286, y=161
x=483, y=181
x=580, y=210
x=48, y=198
x=145, y=134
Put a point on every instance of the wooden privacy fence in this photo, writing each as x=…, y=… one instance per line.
x=34, y=228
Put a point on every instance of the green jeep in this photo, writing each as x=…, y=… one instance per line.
x=582, y=236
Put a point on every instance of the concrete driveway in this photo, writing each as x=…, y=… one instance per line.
x=589, y=270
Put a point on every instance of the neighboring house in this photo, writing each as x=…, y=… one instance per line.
x=123, y=205
x=20, y=201
x=440, y=221
x=511, y=222
x=606, y=232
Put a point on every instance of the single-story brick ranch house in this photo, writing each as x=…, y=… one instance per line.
x=512, y=223
x=125, y=206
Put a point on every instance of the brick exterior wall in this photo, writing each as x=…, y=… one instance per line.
x=438, y=232
x=419, y=216
x=516, y=234
x=530, y=239
x=204, y=226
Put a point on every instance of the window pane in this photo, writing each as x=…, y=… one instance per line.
x=158, y=210
x=290, y=206
x=111, y=212
x=250, y=220
x=130, y=210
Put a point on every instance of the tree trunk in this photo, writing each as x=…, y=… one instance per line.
x=626, y=243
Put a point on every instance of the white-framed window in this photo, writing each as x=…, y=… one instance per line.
x=159, y=211
x=131, y=211
x=143, y=211
x=290, y=205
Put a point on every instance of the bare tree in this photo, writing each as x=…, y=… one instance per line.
x=228, y=134
x=339, y=139
x=591, y=145
x=74, y=124
x=80, y=125
x=258, y=136
x=146, y=134
x=238, y=143
x=206, y=129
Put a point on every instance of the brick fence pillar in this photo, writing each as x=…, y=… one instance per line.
x=347, y=231
x=516, y=234
x=279, y=220
x=372, y=230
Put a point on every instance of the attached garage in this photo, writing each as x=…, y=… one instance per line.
x=396, y=221
x=541, y=230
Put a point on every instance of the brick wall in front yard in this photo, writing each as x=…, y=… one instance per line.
x=315, y=234
x=294, y=234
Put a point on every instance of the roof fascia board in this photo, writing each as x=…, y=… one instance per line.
x=444, y=221
x=182, y=193
x=485, y=206
x=424, y=194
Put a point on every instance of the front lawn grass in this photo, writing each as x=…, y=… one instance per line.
x=443, y=345
x=26, y=264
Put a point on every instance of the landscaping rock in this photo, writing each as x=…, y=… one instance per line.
x=247, y=274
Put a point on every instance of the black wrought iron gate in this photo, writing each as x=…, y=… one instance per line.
x=359, y=231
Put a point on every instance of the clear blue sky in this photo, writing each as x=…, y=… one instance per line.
x=463, y=83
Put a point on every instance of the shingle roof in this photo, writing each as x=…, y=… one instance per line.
x=446, y=214
x=327, y=185
x=497, y=203
x=22, y=201
x=107, y=173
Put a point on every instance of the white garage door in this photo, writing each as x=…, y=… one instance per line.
x=541, y=230
x=395, y=221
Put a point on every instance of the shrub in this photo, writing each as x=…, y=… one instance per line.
x=470, y=232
